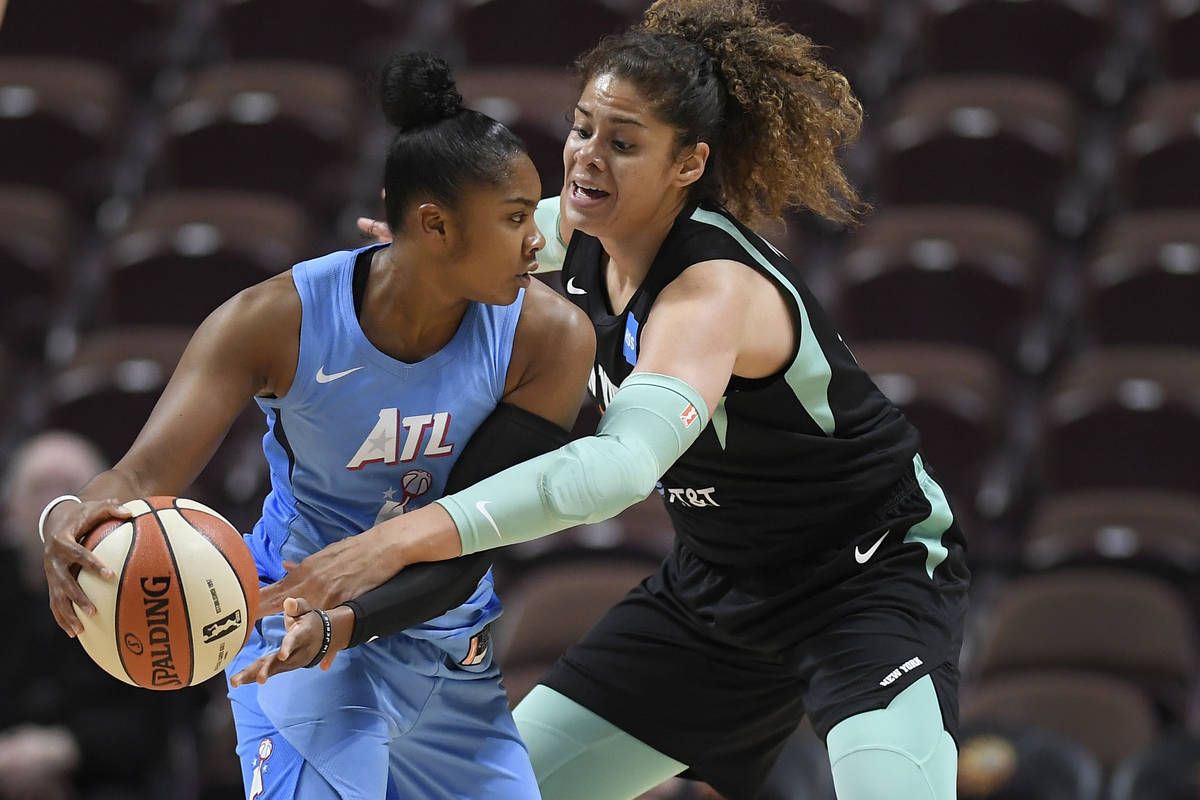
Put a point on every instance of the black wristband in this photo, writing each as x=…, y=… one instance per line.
x=327, y=637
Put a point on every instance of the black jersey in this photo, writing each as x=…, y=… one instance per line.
x=789, y=462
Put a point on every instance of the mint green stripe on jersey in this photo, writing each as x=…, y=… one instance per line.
x=810, y=373
x=720, y=422
x=929, y=530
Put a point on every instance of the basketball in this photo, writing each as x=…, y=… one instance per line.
x=183, y=599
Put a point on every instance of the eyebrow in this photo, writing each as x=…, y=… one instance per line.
x=613, y=120
x=525, y=201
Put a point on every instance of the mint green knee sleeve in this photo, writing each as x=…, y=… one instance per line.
x=901, y=751
x=579, y=755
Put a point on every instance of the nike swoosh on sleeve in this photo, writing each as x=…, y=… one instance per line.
x=572, y=288
x=481, y=507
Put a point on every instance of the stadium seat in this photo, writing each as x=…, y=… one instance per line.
x=1143, y=280
x=844, y=29
x=287, y=128
x=337, y=32
x=1009, y=760
x=130, y=35
x=980, y=140
x=1109, y=717
x=554, y=604
x=1127, y=626
x=956, y=397
x=1180, y=30
x=1160, y=151
x=63, y=117
x=37, y=234
x=953, y=275
x=535, y=102
x=1169, y=769
x=183, y=253
x=1055, y=39
x=1124, y=417
x=109, y=387
x=497, y=32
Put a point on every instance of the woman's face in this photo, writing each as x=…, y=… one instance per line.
x=497, y=241
x=622, y=168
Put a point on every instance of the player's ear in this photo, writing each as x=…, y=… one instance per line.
x=431, y=221
x=691, y=164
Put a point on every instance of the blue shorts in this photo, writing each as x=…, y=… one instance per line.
x=393, y=718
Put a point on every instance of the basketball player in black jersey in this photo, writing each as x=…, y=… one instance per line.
x=817, y=567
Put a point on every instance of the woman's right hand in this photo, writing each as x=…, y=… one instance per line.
x=63, y=556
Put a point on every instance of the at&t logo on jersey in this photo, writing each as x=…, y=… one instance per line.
x=692, y=498
x=396, y=439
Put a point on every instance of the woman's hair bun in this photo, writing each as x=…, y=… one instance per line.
x=417, y=90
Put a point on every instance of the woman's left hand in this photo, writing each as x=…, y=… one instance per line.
x=329, y=577
x=301, y=642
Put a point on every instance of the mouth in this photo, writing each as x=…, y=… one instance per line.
x=584, y=192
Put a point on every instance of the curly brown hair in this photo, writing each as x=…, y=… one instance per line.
x=773, y=114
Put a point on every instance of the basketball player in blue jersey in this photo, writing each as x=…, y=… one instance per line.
x=817, y=568
x=387, y=375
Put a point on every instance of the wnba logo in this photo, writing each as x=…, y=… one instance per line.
x=413, y=484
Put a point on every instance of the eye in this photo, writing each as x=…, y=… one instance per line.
x=621, y=147
x=581, y=132
x=519, y=217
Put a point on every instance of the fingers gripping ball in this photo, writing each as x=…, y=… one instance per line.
x=183, y=600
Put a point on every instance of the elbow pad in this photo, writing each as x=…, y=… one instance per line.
x=651, y=421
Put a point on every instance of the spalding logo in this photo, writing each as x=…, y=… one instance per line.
x=134, y=644
x=158, y=618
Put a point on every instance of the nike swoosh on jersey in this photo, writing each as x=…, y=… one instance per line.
x=481, y=507
x=572, y=288
x=322, y=377
x=862, y=557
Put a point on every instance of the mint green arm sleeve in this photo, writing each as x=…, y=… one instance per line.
x=650, y=422
x=550, y=258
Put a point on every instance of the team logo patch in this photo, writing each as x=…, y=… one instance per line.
x=478, y=649
x=689, y=416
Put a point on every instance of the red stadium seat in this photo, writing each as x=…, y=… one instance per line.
x=1143, y=280
x=1055, y=39
x=989, y=141
x=554, y=604
x=37, y=234
x=498, y=31
x=1125, y=417
x=956, y=397
x=1109, y=717
x=282, y=127
x=1128, y=626
x=108, y=388
x=1161, y=147
x=1179, y=32
x=535, y=102
x=197, y=249
x=332, y=31
x=963, y=276
x=130, y=35
x=843, y=28
x=63, y=117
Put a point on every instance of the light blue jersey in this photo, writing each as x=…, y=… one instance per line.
x=360, y=437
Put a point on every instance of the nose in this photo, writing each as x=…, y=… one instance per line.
x=585, y=153
x=535, y=242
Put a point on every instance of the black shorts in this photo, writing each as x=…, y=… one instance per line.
x=716, y=666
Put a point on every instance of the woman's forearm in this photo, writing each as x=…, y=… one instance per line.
x=426, y=534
